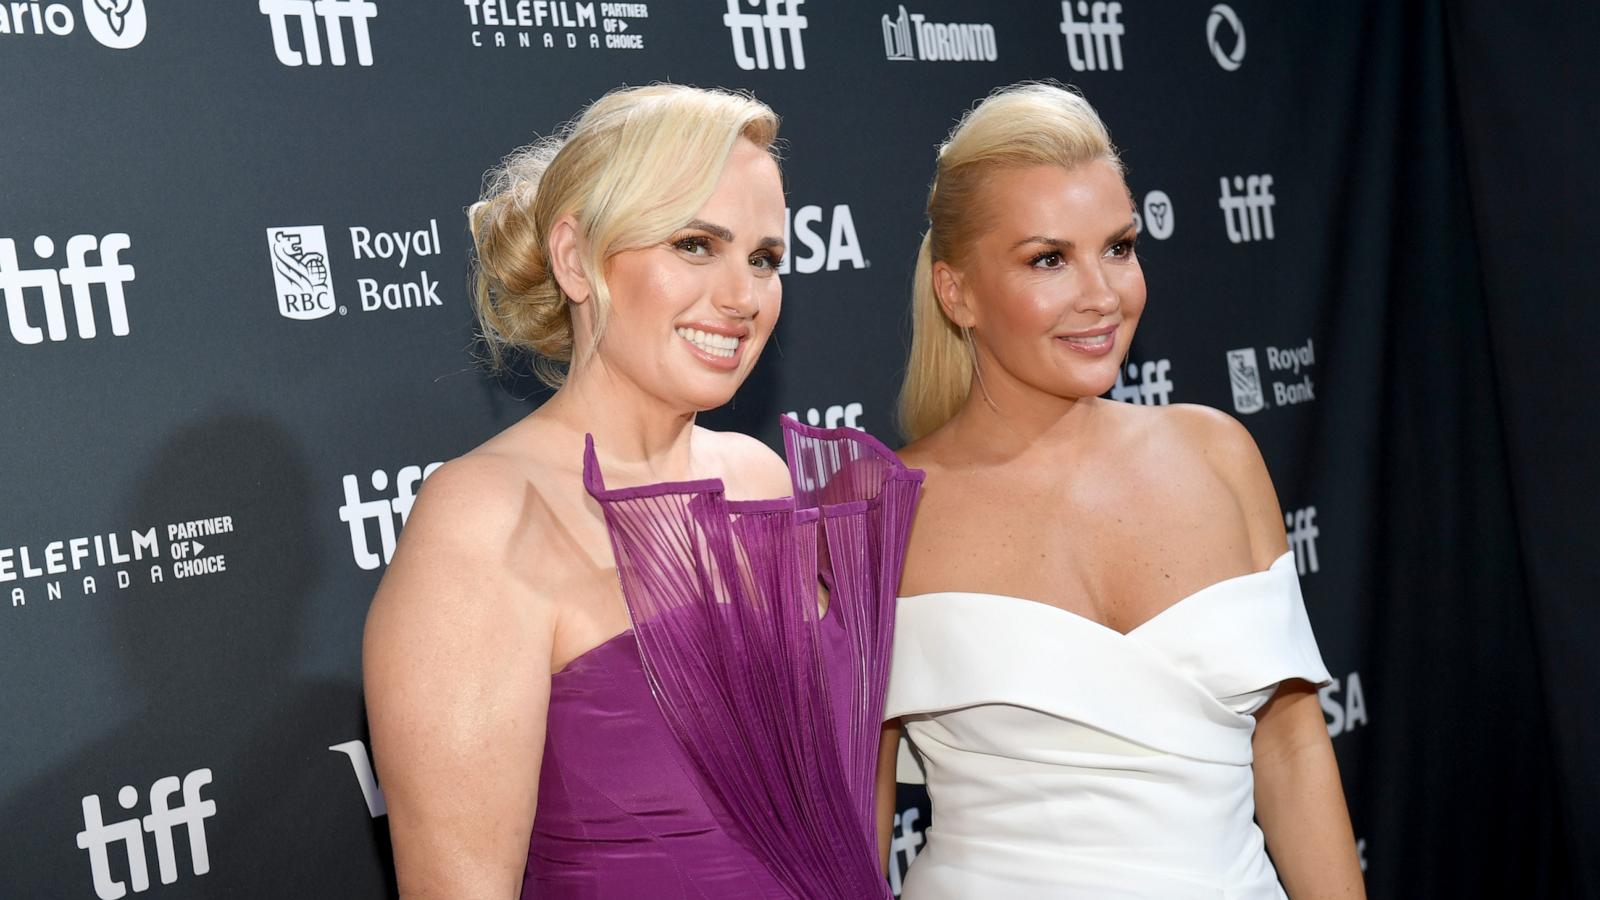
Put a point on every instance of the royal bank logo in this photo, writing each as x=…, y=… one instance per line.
x=38, y=289
x=767, y=39
x=1157, y=220
x=387, y=513
x=909, y=36
x=97, y=836
x=1145, y=384
x=1245, y=377
x=1222, y=14
x=804, y=228
x=300, y=271
x=1246, y=203
x=318, y=20
x=549, y=24
x=118, y=24
x=1093, y=34
x=1289, y=371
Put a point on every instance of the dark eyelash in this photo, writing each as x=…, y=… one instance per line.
x=1043, y=256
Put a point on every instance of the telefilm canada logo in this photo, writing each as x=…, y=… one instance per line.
x=112, y=881
x=114, y=560
x=910, y=36
x=118, y=24
x=1288, y=372
x=316, y=22
x=552, y=24
x=303, y=279
x=1093, y=32
x=770, y=37
x=79, y=277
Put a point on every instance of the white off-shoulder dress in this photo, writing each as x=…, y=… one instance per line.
x=1065, y=759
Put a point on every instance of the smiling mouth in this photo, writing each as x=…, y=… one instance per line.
x=1091, y=341
x=711, y=344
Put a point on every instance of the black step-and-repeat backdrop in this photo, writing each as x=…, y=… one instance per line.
x=237, y=338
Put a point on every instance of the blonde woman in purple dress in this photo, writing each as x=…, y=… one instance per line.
x=601, y=664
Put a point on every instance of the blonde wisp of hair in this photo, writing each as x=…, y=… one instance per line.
x=1020, y=126
x=632, y=168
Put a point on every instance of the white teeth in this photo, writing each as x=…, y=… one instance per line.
x=1094, y=341
x=715, y=344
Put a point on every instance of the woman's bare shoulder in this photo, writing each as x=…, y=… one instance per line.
x=750, y=469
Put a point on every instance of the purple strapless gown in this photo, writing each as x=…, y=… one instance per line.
x=725, y=746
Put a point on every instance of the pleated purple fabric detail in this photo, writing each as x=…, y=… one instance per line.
x=725, y=607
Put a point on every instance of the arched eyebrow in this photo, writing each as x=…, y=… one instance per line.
x=716, y=231
x=726, y=236
x=1058, y=242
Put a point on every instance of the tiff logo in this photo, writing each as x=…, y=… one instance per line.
x=1248, y=214
x=1096, y=42
x=357, y=512
x=78, y=276
x=848, y=415
x=331, y=12
x=903, y=844
x=772, y=25
x=1303, y=533
x=97, y=837
x=1147, y=384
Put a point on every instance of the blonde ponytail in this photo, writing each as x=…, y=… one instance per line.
x=939, y=372
x=1027, y=124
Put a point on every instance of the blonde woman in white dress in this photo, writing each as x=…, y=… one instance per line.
x=1102, y=659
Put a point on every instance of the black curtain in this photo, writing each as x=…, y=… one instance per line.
x=1526, y=87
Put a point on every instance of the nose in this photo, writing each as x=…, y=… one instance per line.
x=1095, y=293
x=738, y=294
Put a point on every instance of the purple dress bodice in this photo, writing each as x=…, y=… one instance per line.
x=725, y=746
x=623, y=812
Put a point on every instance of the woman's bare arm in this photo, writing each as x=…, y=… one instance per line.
x=1300, y=803
x=888, y=755
x=456, y=666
